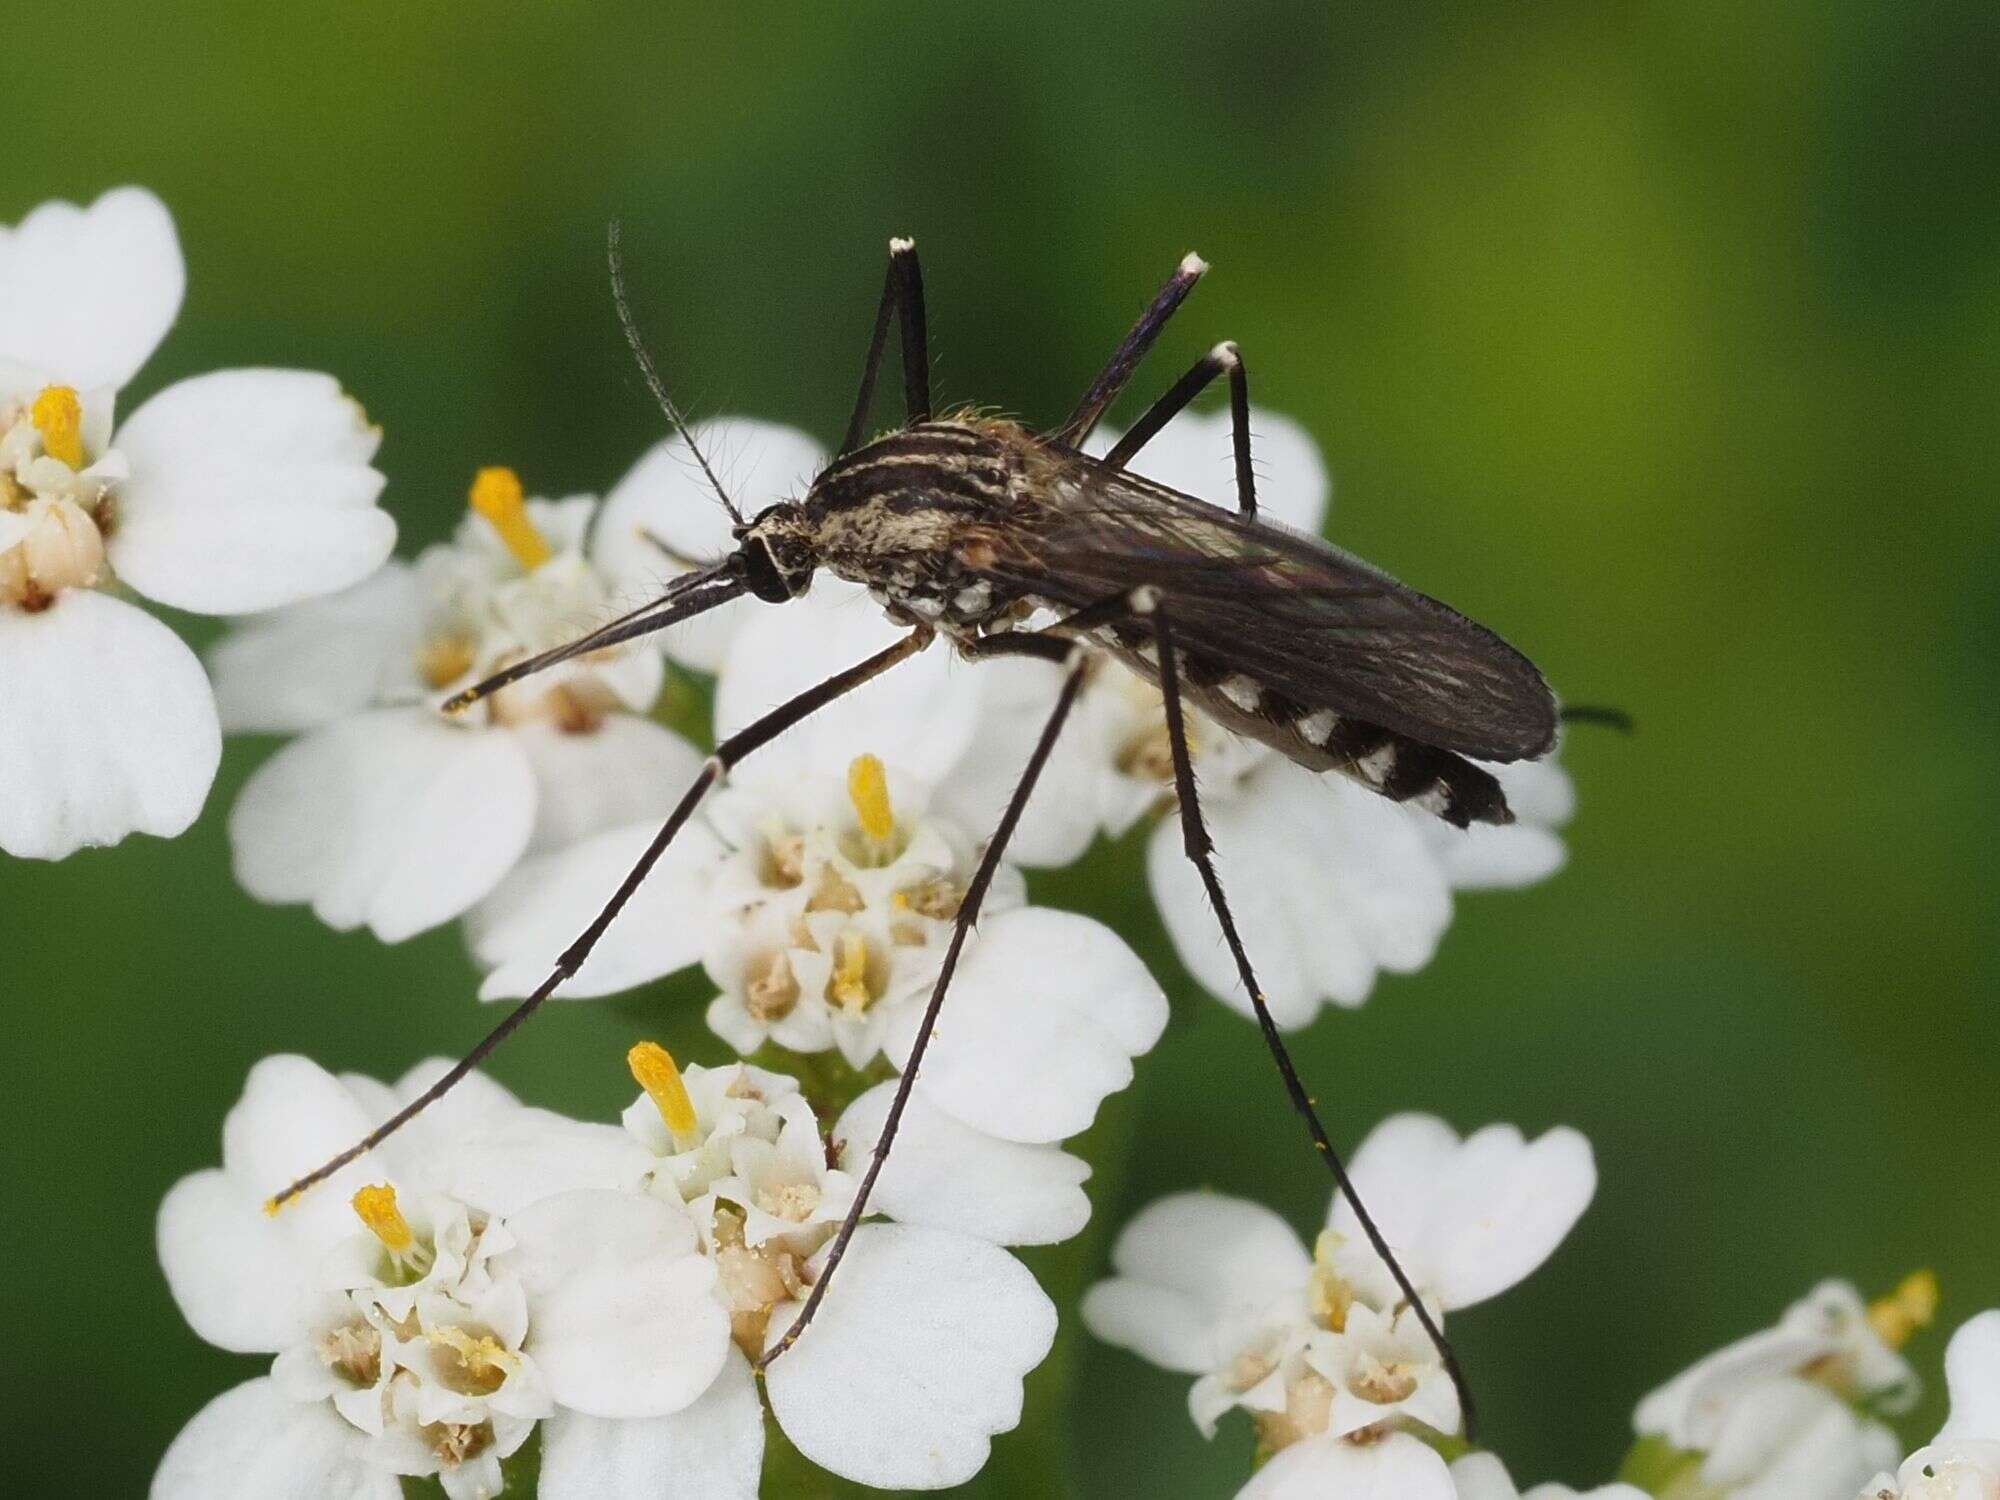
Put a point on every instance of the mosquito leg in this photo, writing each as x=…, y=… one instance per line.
x=727, y=754
x=1224, y=357
x=1201, y=849
x=968, y=913
x=902, y=293
x=1113, y=377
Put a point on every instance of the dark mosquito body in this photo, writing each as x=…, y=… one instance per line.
x=973, y=525
x=1004, y=542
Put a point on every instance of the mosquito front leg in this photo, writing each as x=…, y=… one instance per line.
x=903, y=298
x=1151, y=605
x=727, y=754
x=1113, y=377
x=1223, y=358
x=968, y=913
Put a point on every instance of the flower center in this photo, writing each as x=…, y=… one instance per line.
x=58, y=417
x=773, y=989
x=1308, y=1405
x=354, y=1353
x=455, y=1442
x=377, y=1208
x=474, y=1364
x=1909, y=1307
x=857, y=980
x=653, y=1067
x=1328, y=1294
x=793, y=1201
x=497, y=495
x=59, y=543
x=753, y=1279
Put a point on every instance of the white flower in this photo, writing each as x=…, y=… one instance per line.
x=1320, y=1348
x=385, y=812
x=230, y=492
x=421, y=1332
x=1786, y=1412
x=1481, y=1476
x=824, y=912
x=916, y=1357
x=1329, y=882
x=1963, y=1461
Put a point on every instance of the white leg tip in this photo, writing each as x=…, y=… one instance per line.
x=1193, y=265
x=899, y=245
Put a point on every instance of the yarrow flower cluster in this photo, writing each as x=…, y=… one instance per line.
x=497, y=1274
x=496, y=1268
x=1341, y=1379
x=237, y=491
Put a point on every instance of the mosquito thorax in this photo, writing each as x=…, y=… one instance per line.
x=902, y=515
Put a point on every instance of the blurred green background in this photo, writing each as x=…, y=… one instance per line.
x=1661, y=336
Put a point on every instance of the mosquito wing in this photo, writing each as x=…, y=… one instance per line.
x=1289, y=610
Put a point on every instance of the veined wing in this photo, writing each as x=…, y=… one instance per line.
x=1291, y=611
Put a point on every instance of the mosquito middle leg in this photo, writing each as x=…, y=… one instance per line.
x=1223, y=358
x=727, y=754
x=968, y=913
x=902, y=298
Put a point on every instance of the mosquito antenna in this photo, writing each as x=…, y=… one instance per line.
x=687, y=596
x=653, y=382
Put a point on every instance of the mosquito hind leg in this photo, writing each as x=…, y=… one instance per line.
x=968, y=913
x=902, y=298
x=1223, y=358
x=1112, y=379
x=727, y=754
x=1150, y=605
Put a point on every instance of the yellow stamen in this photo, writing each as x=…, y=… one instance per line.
x=58, y=416
x=868, y=790
x=496, y=494
x=376, y=1207
x=653, y=1066
x=1910, y=1307
x=849, y=986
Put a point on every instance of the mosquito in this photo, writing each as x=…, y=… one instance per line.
x=999, y=541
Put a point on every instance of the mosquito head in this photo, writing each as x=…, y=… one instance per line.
x=779, y=553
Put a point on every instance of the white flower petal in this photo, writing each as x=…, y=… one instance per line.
x=946, y=1174
x=919, y=717
x=395, y=818
x=1328, y=883
x=713, y=1450
x=298, y=668
x=1470, y=1219
x=1044, y=1017
x=251, y=1443
x=1196, y=454
x=914, y=1360
x=537, y=912
x=1972, y=1372
x=624, y=1320
x=665, y=496
x=87, y=294
x=503, y=1168
x=109, y=728
x=1061, y=817
x=235, y=1272
x=1396, y=1468
x=1481, y=1476
x=626, y=770
x=1187, y=1264
x=1789, y=1437
x=249, y=489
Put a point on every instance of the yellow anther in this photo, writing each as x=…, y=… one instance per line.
x=58, y=416
x=849, y=986
x=868, y=790
x=1910, y=1307
x=376, y=1207
x=497, y=495
x=653, y=1066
